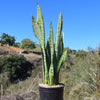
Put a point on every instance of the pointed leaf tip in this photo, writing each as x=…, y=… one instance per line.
x=60, y=13
x=50, y=23
x=38, y=6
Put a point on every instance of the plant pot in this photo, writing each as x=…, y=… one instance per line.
x=51, y=93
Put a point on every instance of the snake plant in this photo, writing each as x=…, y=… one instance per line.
x=52, y=53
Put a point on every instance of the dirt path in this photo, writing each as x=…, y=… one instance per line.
x=32, y=56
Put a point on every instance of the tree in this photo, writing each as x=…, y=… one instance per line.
x=4, y=35
x=17, y=44
x=6, y=39
x=27, y=44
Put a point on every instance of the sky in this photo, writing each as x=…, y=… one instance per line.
x=81, y=20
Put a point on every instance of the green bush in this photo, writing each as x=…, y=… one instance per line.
x=27, y=44
x=17, y=66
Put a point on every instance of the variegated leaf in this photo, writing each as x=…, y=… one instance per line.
x=40, y=21
x=59, y=29
x=61, y=61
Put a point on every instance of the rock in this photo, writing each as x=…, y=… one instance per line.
x=15, y=97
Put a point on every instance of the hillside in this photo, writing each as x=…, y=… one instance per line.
x=17, y=51
x=79, y=74
x=24, y=88
x=10, y=49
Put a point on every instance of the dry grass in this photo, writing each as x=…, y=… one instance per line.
x=23, y=88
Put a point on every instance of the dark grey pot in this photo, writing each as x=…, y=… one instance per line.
x=51, y=93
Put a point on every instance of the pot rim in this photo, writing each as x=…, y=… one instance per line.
x=61, y=85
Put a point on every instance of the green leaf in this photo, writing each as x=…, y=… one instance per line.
x=37, y=32
x=36, y=29
x=59, y=29
x=51, y=74
x=61, y=47
x=51, y=71
x=62, y=60
x=40, y=21
x=51, y=42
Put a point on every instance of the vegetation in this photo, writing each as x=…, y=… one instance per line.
x=6, y=39
x=52, y=54
x=16, y=66
x=17, y=44
x=81, y=77
x=27, y=44
x=80, y=73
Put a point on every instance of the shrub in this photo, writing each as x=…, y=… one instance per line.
x=27, y=44
x=17, y=66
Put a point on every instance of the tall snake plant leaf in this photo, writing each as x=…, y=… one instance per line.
x=45, y=65
x=61, y=44
x=51, y=70
x=48, y=50
x=62, y=38
x=59, y=29
x=43, y=68
x=60, y=48
x=61, y=61
x=48, y=55
x=41, y=25
x=37, y=31
x=51, y=42
x=40, y=21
